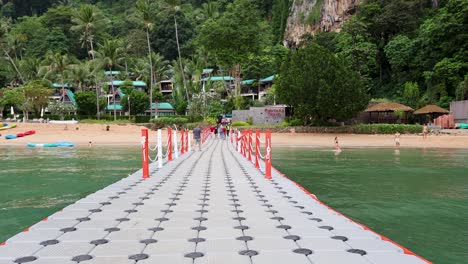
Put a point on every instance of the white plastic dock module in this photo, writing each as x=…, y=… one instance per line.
x=205, y=207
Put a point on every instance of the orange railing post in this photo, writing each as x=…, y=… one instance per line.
x=144, y=153
x=187, y=134
x=169, y=144
x=257, y=148
x=182, y=142
x=250, y=145
x=268, y=154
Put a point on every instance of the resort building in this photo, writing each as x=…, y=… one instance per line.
x=166, y=87
x=264, y=85
x=161, y=109
x=459, y=109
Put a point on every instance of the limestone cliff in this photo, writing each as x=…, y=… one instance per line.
x=311, y=16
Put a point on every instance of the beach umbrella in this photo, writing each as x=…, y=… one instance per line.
x=12, y=111
x=42, y=112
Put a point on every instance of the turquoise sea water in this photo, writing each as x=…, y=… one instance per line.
x=416, y=197
x=36, y=182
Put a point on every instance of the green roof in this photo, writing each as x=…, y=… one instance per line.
x=113, y=72
x=207, y=70
x=71, y=95
x=111, y=107
x=134, y=83
x=217, y=78
x=58, y=85
x=268, y=79
x=247, y=82
x=162, y=106
x=120, y=92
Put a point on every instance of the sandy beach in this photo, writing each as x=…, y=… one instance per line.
x=129, y=134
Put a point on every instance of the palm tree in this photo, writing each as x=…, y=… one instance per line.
x=88, y=19
x=57, y=68
x=144, y=11
x=5, y=48
x=109, y=56
x=173, y=7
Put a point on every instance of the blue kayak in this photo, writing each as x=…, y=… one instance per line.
x=51, y=145
x=10, y=136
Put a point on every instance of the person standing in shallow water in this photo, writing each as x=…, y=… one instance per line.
x=397, y=139
x=425, y=132
x=337, y=145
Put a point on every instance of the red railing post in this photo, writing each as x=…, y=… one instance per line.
x=144, y=153
x=244, y=152
x=257, y=148
x=169, y=144
x=250, y=145
x=187, y=135
x=268, y=154
x=182, y=142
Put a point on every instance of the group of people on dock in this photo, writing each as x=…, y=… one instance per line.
x=221, y=130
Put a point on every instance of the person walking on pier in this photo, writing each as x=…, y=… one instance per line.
x=197, y=136
x=216, y=131
x=228, y=128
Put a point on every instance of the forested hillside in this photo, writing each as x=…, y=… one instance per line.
x=411, y=51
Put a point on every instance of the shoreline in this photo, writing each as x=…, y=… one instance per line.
x=130, y=135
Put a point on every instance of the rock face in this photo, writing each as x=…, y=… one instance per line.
x=311, y=16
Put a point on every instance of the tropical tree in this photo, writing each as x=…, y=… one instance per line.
x=36, y=97
x=5, y=47
x=89, y=20
x=145, y=13
x=110, y=56
x=320, y=86
x=173, y=7
x=57, y=68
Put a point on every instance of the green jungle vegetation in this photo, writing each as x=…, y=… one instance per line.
x=410, y=51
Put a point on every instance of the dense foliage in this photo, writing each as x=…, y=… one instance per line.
x=400, y=42
x=411, y=51
x=320, y=89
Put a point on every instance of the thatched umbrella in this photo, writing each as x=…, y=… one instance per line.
x=387, y=108
x=432, y=110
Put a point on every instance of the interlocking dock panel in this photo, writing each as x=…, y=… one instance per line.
x=206, y=207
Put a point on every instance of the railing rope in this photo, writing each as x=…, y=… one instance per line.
x=244, y=145
x=160, y=155
x=268, y=155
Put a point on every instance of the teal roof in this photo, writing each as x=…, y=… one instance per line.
x=135, y=83
x=120, y=92
x=113, y=72
x=71, y=95
x=217, y=78
x=207, y=70
x=247, y=82
x=268, y=79
x=58, y=85
x=162, y=106
x=111, y=107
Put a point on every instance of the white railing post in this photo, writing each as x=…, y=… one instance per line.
x=174, y=143
x=160, y=155
x=189, y=141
